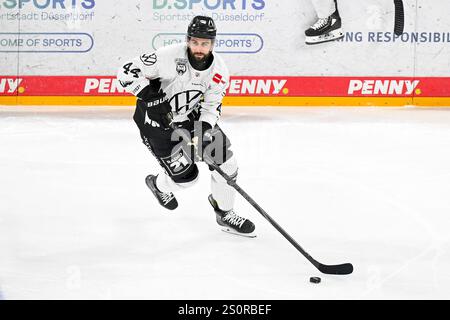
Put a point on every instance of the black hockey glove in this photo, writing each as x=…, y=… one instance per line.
x=159, y=109
x=201, y=139
x=157, y=106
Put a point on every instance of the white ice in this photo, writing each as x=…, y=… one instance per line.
x=370, y=186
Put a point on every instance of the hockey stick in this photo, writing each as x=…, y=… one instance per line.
x=399, y=22
x=339, y=269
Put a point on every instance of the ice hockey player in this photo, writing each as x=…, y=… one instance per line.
x=328, y=26
x=181, y=87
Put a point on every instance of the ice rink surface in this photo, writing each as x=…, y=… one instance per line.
x=370, y=186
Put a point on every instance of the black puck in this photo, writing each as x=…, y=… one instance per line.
x=314, y=279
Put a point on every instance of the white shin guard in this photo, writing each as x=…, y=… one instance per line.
x=221, y=191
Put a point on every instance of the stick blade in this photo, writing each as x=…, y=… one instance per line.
x=341, y=269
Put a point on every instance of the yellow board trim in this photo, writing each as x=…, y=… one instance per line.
x=236, y=101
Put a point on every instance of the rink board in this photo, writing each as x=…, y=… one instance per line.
x=62, y=53
x=249, y=91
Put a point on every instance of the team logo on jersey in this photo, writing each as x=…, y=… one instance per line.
x=149, y=59
x=186, y=100
x=178, y=162
x=181, y=65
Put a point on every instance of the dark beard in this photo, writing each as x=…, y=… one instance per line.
x=202, y=63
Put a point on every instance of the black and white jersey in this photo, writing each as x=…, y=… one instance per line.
x=186, y=88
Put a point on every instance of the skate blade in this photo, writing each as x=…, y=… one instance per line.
x=232, y=231
x=332, y=36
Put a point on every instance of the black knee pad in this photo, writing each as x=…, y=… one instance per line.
x=190, y=175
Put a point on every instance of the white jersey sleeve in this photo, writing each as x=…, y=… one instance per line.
x=134, y=75
x=211, y=106
x=186, y=88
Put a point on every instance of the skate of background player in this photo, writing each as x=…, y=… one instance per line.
x=328, y=27
x=325, y=8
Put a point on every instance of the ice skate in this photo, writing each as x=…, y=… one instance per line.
x=232, y=223
x=324, y=30
x=167, y=200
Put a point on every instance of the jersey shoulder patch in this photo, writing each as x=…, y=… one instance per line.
x=220, y=71
x=149, y=59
